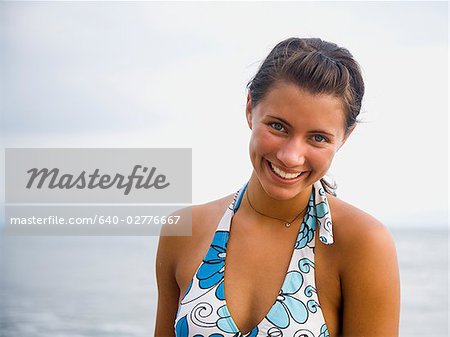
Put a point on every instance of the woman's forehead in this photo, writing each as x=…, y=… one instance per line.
x=286, y=92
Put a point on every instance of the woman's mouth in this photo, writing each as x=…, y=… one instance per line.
x=282, y=174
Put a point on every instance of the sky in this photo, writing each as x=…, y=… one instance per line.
x=174, y=74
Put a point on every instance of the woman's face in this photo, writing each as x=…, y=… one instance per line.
x=295, y=135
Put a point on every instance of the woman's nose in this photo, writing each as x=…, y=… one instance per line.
x=292, y=153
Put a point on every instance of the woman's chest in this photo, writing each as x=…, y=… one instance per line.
x=262, y=271
x=255, y=270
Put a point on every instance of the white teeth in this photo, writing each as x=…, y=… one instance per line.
x=283, y=174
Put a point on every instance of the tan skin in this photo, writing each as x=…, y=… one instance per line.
x=357, y=276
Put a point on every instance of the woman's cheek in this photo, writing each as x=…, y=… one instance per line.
x=329, y=155
x=264, y=140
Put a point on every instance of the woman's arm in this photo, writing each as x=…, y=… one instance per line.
x=168, y=291
x=370, y=282
x=173, y=245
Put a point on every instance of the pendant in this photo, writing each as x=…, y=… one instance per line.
x=288, y=224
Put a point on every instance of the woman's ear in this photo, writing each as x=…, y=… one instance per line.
x=248, y=110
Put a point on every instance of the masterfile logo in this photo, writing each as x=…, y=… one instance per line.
x=54, y=179
x=98, y=191
x=92, y=175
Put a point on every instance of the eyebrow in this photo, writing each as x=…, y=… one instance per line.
x=281, y=120
x=322, y=131
x=313, y=131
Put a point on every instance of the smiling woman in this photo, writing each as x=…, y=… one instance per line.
x=283, y=256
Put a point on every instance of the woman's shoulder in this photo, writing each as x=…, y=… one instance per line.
x=368, y=269
x=355, y=230
x=351, y=223
x=199, y=222
x=205, y=217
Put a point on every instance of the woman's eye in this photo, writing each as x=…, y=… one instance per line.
x=319, y=138
x=277, y=126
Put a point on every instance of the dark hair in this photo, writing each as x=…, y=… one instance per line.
x=317, y=66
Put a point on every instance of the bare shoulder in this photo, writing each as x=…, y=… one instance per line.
x=353, y=228
x=205, y=217
x=368, y=271
x=201, y=219
x=362, y=242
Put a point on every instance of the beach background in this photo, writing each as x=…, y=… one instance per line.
x=106, y=287
x=173, y=74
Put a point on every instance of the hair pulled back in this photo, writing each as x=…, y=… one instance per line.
x=318, y=66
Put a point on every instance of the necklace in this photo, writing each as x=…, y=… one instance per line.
x=286, y=223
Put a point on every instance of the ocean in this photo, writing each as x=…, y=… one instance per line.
x=106, y=287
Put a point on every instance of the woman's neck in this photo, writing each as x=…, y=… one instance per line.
x=282, y=209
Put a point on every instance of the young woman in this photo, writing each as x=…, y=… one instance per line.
x=283, y=256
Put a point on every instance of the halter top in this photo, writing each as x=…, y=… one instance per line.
x=203, y=311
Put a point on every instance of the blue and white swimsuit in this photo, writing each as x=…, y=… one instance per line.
x=203, y=311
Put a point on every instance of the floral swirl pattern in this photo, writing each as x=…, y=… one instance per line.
x=211, y=271
x=203, y=310
x=287, y=306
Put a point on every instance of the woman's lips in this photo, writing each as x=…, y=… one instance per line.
x=283, y=174
x=278, y=177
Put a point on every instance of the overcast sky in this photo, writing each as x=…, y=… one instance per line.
x=115, y=74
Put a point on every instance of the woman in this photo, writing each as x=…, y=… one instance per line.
x=299, y=261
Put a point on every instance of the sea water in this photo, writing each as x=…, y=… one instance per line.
x=106, y=286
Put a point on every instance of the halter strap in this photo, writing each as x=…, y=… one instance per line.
x=321, y=210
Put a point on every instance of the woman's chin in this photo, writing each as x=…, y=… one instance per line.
x=280, y=193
